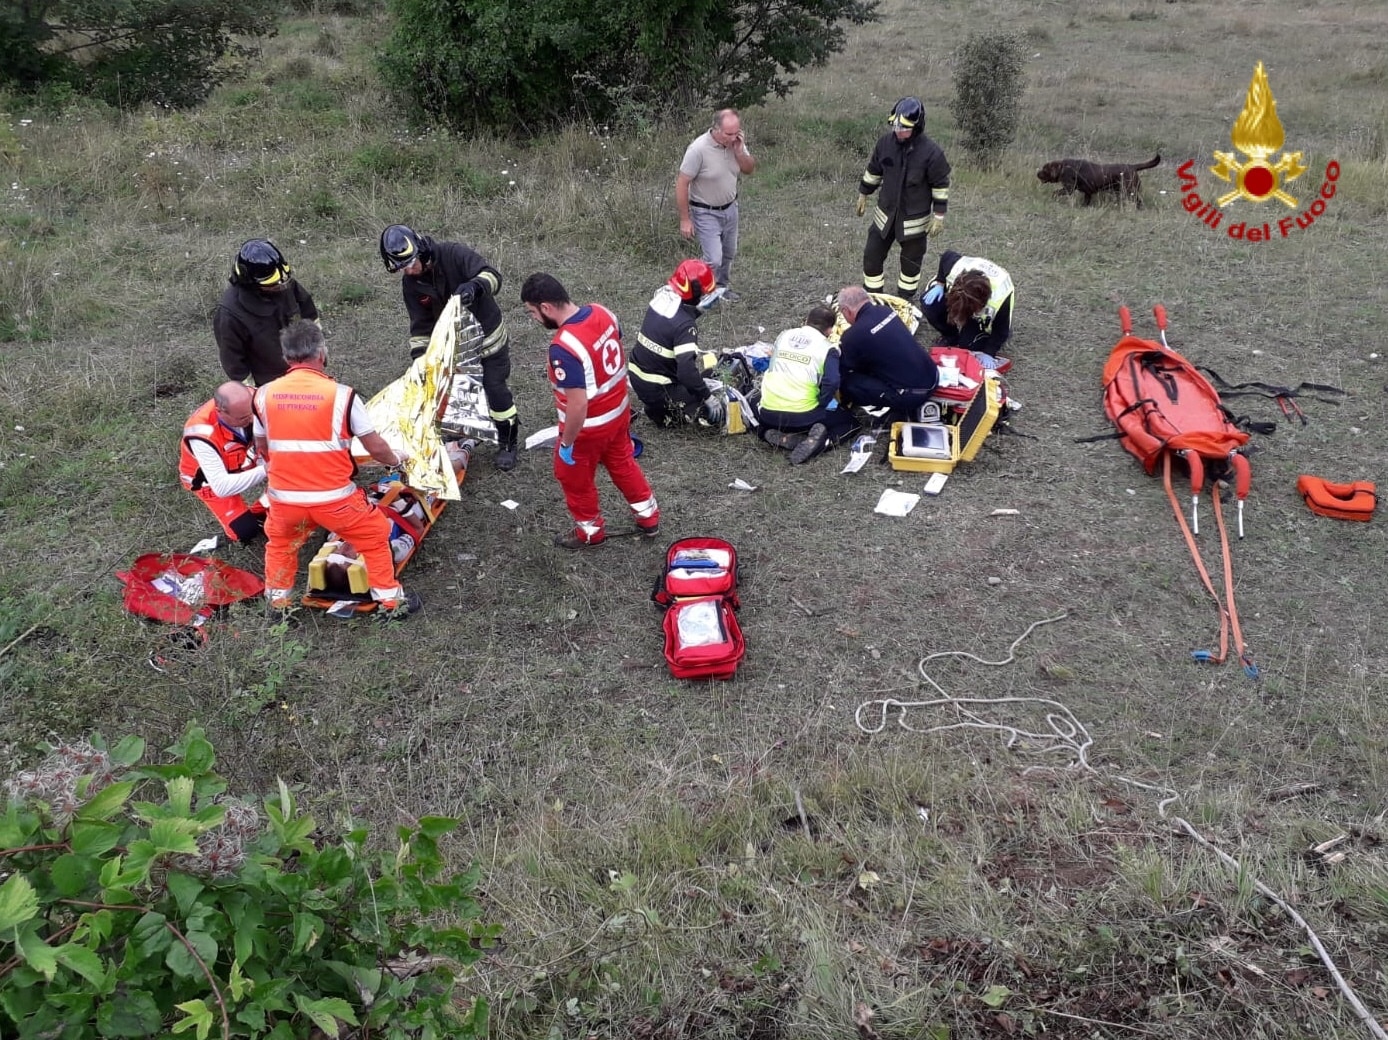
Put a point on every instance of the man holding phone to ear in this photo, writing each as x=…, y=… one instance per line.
x=706, y=192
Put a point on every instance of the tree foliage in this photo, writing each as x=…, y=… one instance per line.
x=144, y=902
x=127, y=52
x=535, y=63
x=988, y=88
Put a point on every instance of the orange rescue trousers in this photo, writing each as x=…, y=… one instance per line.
x=354, y=519
x=240, y=521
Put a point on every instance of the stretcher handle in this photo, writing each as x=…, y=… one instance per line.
x=1125, y=317
x=1159, y=312
x=1243, y=475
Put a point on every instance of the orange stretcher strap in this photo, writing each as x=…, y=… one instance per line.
x=1354, y=501
x=1228, y=612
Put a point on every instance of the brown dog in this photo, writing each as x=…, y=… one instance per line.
x=1090, y=178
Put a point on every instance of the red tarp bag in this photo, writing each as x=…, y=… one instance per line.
x=184, y=589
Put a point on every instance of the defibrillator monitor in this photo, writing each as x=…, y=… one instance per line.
x=925, y=441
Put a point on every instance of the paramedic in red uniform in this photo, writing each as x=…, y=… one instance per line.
x=304, y=424
x=589, y=375
x=218, y=464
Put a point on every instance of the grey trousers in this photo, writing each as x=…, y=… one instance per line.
x=717, y=232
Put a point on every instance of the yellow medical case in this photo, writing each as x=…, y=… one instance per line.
x=979, y=417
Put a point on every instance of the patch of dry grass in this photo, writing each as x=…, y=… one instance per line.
x=641, y=838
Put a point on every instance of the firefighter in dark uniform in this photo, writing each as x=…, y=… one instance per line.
x=262, y=300
x=665, y=367
x=913, y=175
x=433, y=271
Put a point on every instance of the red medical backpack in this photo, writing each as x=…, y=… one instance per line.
x=698, y=589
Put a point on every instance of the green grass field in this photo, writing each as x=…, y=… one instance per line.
x=741, y=860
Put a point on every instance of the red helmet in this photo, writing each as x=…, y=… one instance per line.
x=693, y=279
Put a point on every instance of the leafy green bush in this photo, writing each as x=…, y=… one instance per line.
x=165, y=51
x=988, y=90
x=537, y=63
x=192, y=910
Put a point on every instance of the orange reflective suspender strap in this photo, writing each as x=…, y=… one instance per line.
x=1228, y=612
x=1250, y=669
x=1201, y=655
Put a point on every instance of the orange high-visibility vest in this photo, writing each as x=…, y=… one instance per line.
x=1342, y=501
x=202, y=425
x=305, y=414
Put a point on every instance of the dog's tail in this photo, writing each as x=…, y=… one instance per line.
x=1156, y=160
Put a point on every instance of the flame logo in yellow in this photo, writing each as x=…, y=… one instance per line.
x=1258, y=133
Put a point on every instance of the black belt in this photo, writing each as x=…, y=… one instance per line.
x=715, y=209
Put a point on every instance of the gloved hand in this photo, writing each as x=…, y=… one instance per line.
x=713, y=411
x=418, y=345
x=566, y=454
x=466, y=293
x=833, y=405
x=862, y=204
x=936, y=225
x=933, y=292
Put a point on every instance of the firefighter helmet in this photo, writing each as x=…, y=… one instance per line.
x=908, y=114
x=401, y=246
x=259, y=265
x=693, y=280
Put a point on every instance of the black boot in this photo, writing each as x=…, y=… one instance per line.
x=814, y=443
x=507, y=435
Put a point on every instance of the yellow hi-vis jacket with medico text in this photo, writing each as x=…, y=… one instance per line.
x=791, y=382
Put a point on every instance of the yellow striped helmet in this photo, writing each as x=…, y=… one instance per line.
x=908, y=114
x=259, y=265
x=401, y=246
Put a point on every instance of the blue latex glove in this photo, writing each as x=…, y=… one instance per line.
x=833, y=405
x=933, y=293
x=566, y=454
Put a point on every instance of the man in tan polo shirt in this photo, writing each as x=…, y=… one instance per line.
x=706, y=192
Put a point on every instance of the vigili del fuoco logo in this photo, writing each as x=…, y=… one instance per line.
x=1261, y=178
